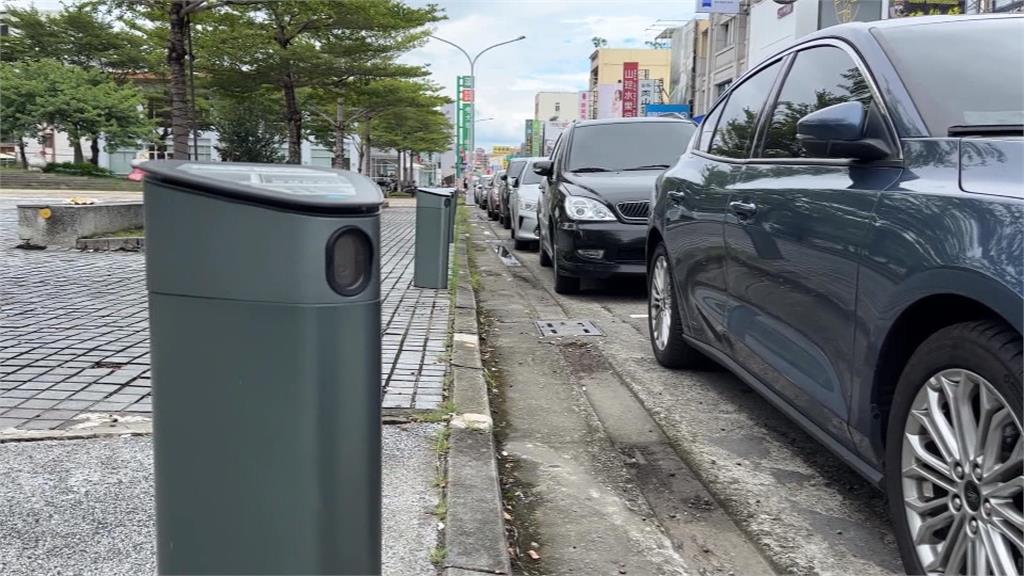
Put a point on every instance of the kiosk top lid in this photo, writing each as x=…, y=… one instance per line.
x=282, y=185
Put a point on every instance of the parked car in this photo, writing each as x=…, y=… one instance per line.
x=596, y=193
x=515, y=170
x=481, y=186
x=484, y=193
x=493, y=207
x=850, y=244
x=524, y=193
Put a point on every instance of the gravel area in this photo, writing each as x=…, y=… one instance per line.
x=85, y=507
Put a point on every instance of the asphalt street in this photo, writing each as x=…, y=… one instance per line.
x=802, y=508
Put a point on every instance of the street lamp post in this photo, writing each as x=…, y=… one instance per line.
x=472, y=75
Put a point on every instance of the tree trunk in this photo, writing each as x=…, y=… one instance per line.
x=293, y=118
x=179, y=84
x=366, y=162
x=94, y=151
x=76, y=145
x=339, y=137
x=21, y=151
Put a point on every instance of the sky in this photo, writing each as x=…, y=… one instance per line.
x=555, y=55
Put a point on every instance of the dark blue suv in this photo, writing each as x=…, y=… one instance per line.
x=845, y=232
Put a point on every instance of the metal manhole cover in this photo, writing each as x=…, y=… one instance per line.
x=568, y=328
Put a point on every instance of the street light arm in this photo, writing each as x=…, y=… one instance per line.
x=464, y=53
x=472, y=63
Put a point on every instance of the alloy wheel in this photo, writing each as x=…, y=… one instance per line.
x=962, y=465
x=660, y=303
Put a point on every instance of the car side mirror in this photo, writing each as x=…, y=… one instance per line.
x=542, y=168
x=504, y=177
x=514, y=183
x=838, y=132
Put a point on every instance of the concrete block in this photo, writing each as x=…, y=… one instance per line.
x=64, y=224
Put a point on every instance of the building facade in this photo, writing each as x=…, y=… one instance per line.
x=556, y=106
x=606, y=74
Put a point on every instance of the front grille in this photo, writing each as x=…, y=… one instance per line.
x=634, y=210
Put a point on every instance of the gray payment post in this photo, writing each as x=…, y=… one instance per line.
x=264, y=304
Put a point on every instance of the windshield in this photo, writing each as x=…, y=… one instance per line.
x=628, y=145
x=961, y=73
x=529, y=176
x=515, y=167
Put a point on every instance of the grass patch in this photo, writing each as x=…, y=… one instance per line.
x=438, y=555
x=439, y=414
x=441, y=510
x=441, y=442
x=131, y=232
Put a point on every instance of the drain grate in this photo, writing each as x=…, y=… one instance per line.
x=568, y=328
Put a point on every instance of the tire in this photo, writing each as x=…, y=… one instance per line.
x=545, y=259
x=521, y=244
x=669, y=346
x=492, y=215
x=990, y=353
x=563, y=284
x=506, y=221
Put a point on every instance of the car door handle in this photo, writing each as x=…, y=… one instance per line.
x=743, y=209
x=677, y=194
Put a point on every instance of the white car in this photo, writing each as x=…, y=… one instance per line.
x=524, y=195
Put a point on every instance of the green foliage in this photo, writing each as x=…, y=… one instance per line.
x=77, y=169
x=78, y=35
x=249, y=129
x=81, y=102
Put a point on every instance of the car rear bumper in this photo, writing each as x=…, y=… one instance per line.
x=622, y=244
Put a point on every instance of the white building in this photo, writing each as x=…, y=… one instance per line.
x=556, y=106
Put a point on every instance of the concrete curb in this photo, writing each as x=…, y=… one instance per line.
x=475, y=531
x=125, y=243
x=91, y=425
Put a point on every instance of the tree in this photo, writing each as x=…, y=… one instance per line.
x=247, y=129
x=80, y=102
x=299, y=47
x=18, y=94
x=599, y=42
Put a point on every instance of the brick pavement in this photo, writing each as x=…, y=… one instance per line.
x=74, y=335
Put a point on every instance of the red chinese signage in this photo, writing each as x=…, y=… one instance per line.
x=630, y=89
x=467, y=95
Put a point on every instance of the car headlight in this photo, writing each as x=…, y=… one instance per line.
x=583, y=208
x=527, y=205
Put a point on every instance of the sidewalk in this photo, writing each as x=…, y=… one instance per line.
x=74, y=334
x=74, y=343
x=85, y=507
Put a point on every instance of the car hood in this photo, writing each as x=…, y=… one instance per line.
x=992, y=166
x=614, y=187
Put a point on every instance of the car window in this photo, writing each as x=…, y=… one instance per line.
x=820, y=77
x=707, y=128
x=735, y=131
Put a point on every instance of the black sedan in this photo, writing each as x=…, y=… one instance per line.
x=846, y=234
x=596, y=195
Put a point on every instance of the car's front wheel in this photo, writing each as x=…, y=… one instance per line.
x=564, y=284
x=955, y=453
x=666, y=326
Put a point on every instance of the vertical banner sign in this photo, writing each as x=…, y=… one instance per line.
x=538, y=139
x=646, y=95
x=528, y=137
x=584, y=102
x=630, y=88
x=463, y=124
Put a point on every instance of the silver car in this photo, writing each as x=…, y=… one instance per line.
x=524, y=194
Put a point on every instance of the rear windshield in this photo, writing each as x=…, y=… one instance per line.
x=628, y=145
x=961, y=73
